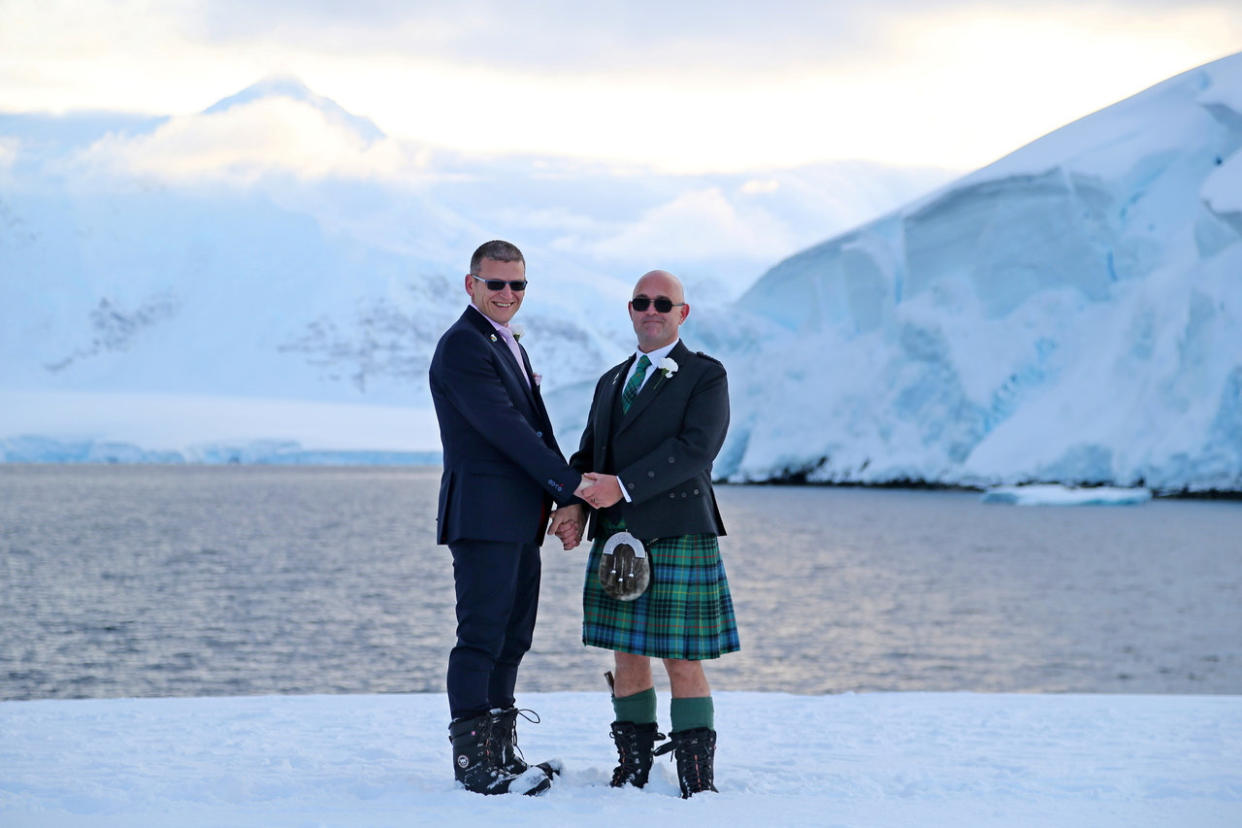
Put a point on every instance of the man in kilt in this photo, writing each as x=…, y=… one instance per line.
x=656, y=423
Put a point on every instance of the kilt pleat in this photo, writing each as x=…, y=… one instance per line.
x=686, y=613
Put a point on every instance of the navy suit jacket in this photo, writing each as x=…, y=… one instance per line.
x=502, y=466
x=662, y=448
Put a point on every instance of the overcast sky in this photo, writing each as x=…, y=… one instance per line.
x=691, y=86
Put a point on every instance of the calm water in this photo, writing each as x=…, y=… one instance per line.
x=158, y=581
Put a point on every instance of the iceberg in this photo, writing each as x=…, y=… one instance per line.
x=1054, y=495
x=1069, y=314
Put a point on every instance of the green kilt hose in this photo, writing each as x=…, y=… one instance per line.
x=686, y=613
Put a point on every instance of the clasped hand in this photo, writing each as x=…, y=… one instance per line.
x=569, y=522
x=600, y=490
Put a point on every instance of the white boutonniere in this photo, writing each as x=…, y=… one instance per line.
x=668, y=366
x=518, y=331
x=538, y=379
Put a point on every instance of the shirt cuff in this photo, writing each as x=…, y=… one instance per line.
x=624, y=493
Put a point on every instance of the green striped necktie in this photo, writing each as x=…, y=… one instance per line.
x=631, y=388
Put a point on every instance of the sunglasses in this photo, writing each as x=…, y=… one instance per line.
x=517, y=285
x=662, y=304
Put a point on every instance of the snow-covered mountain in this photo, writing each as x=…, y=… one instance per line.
x=276, y=247
x=1070, y=313
x=275, y=268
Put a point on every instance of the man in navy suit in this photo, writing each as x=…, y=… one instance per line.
x=502, y=472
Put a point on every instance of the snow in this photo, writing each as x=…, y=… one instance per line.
x=275, y=245
x=1053, y=495
x=288, y=87
x=1071, y=314
x=926, y=759
x=1222, y=191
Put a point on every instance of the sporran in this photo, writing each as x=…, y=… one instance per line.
x=624, y=568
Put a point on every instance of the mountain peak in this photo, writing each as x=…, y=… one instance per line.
x=292, y=88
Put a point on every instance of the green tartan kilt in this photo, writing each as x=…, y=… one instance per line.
x=686, y=613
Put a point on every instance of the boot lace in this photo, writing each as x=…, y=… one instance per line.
x=693, y=773
x=630, y=755
x=511, y=717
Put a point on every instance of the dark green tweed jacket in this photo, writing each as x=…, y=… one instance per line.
x=663, y=448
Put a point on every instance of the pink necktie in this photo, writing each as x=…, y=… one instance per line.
x=507, y=336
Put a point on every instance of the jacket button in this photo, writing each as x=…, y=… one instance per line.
x=538, y=433
x=672, y=459
x=696, y=491
x=651, y=474
x=683, y=494
x=672, y=496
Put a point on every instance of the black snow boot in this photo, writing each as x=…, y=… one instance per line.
x=695, y=751
x=635, y=749
x=475, y=764
x=504, y=734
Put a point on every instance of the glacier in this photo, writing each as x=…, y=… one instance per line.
x=1069, y=314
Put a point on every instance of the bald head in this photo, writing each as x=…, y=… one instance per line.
x=656, y=328
x=660, y=283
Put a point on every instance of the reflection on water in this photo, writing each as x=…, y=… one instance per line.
x=156, y=581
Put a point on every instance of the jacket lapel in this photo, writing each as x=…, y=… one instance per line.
x=535, y=395
x=506, y=356
x=603, y=409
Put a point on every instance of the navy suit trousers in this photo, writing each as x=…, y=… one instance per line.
x=497, y=599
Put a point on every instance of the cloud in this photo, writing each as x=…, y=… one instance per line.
x=719, y=230
x=694, y=85
x=757, y=186
x=652, y=37
x=554, y=35
x=245, y=142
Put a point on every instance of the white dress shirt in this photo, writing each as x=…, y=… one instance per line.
x=655, y=357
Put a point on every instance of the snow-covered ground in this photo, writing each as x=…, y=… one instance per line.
x=902, y=759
